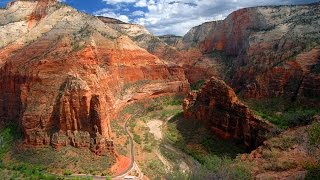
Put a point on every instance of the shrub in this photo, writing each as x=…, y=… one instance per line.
x=178, y=175
x=137, y=138
x=167, y=154
x=8, y=134
x=280, y=165
x=241, y=172
x=316, y=69
x=198, y=85
x=314, y=133
x=313, y=171
x=67, y=172
x=147, y=148
x=283, y=112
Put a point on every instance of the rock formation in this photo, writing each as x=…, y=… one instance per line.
x=287, y=156
x=217, y=106
x=267, y=51
x=169, y=48
x=66, y=76
x=171, y=40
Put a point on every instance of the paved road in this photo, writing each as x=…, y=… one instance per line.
x=133, y=166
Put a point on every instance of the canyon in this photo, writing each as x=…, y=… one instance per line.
x=64, y=86
x=65, y=76
x=275, y=50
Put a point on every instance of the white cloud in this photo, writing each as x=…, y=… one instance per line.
x=106, y=12
x=118, y=1
x=141, y=3
x=138, y=13
x=178, y=16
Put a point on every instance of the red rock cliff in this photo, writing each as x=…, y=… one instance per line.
x=217, y=106
x=268, y=51
x=70, y=75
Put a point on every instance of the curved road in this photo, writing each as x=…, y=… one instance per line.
x=133, y=165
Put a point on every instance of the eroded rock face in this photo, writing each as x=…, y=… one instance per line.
x=70, y=74
x=269, y=51
x=217, y=106
x=171, y=40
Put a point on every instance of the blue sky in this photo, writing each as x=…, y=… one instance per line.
x=168, y=16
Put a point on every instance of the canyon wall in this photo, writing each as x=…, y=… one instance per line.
x=68, y=75
x=217, y=106
x=267, y=51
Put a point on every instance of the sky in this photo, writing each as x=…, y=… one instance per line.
x=162, y=17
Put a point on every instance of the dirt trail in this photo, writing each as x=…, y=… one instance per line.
x=155, y=128
x=167, y=164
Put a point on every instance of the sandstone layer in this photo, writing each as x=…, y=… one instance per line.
x=196, y=65
x=65, y=75
x=217, y=106
x=267, y=51
x=286, y=156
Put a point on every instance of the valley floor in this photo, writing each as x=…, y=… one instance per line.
x=165, y=145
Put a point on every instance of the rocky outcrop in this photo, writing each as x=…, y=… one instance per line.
x=170, y=48
x=70, y=75
x=268, y=51
x=217, y=106
x=171, y=40
x=287, y=156
x=109, y=20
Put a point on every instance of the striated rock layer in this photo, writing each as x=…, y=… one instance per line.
x=68, y=75
x=267, y=51
x=217, y=106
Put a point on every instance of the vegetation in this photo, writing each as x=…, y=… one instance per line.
x=17, y=169
x=135, y=86
x=221, y=168
x=313, y=171
x=136, y=138
x=316, y=69
x=314, y=133
x=280, y=165
x=196, y=140
x=154, y=169
x=141, y=113
x=23, y=170
x=8, y=135
x=284, y=142
x=283, y=113
x=67, y=172
x=216, y=156
x=197, y=86
x=78, y=42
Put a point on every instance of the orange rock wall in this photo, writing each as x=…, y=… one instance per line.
x=217, y=106
x=58, y=97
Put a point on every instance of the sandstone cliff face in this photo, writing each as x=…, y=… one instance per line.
x=286, y=156
x=171, y=40
x=217, y=106
x=273, y=49
x=69, y=74
x=169, y=48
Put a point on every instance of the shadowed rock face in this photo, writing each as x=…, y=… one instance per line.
x=261, y=52
x=275, y=50
x=65, y=77
x=217, y=106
